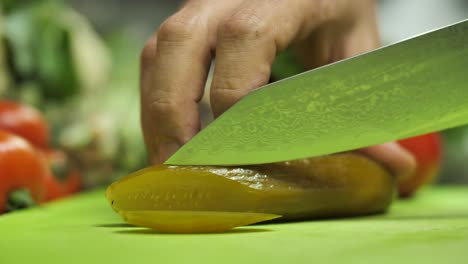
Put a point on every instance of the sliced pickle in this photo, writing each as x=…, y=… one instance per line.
x=193, y=221
x=337, y=185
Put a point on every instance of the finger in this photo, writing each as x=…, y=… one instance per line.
x=146, y=67
x=172, y=83
x=398, y=160
x=349, y=36
x=362, y=37
x=248, y=42
x=174, y=68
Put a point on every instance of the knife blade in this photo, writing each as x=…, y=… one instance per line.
x=413, y=87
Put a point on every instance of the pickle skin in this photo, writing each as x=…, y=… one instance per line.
x=338, y=185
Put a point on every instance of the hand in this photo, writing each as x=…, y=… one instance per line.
x=244, y=36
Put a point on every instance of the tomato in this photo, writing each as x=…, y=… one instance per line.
x=57, y=189
x=21, y=167
x=24, y=121
x=57, y=179
x=62, y=180
x=427, y=150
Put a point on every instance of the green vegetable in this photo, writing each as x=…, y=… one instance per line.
x=53, y=46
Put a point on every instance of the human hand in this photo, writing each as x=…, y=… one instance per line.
x=244, y=36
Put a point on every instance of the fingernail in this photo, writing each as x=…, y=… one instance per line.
x=166, y=151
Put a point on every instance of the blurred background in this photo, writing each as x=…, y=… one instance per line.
x=81, y=72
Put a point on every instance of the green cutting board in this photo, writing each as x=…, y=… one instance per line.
x=432, y=228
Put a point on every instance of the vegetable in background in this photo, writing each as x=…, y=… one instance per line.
x=58, y=63
x=427, y=149
x=4, y=76
x=454, y=168
x=52, y=51
x=102, y=132
x=23, y=171
x=24, y=121
x=63, y=180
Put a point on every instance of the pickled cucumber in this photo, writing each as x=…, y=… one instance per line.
x=336, y=185
x=193, y=221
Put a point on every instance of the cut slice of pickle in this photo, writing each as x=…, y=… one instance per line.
x=193, y=221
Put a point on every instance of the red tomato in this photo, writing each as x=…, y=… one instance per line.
x=24, y=121
x=63, y=180
x=427, y=149
x=21, y=167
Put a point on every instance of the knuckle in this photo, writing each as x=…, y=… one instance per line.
x=179, y=27
x=222, y=98
x=328, y=11
x=222, y=95
x=147, y=54
x=162, y=106
x=226, y=81
x=244, y=26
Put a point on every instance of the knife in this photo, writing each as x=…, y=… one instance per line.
x=414, y=87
